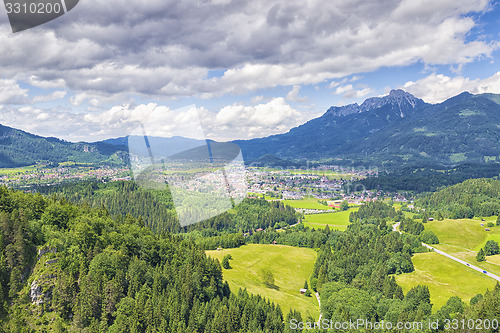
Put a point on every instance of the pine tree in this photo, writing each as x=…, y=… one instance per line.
x=480, y=256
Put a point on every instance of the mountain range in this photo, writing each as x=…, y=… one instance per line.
x=393, y=130
x=396, y=129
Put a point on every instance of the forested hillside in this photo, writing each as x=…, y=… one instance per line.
x=429, y=178
x=18, y=148
x=74, y=268
x=473, y=197
x=157, y=210
x=354, y=274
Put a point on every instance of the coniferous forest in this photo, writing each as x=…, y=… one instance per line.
x=93, y=273
x=76, y=260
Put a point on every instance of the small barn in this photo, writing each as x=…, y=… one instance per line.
x=303, y=291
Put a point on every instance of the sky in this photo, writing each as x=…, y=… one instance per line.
x=236, y=69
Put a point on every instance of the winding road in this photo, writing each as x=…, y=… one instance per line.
x=493, y=276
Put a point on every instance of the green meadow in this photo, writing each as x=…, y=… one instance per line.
x=492, y=263
x=463, y=234
x=397, y=207
x=263, y=196
x=338, y=220
x=445, y=278
x=463, y=238
x=291, y=266
x=17, y=171
x=307, y=203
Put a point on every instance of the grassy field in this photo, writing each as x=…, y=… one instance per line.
x=307, y=203
x=464, y=233
x=445, y=278
x=16, y=171
x=261, y=196
x=337, y=220
x=492, y=263
x=397, y=207
x=291, y=266
x=463, y=238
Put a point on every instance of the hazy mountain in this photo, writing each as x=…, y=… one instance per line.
x=160, y=147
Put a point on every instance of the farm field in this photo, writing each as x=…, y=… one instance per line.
x=463, y=238
x=291, y=266
x=337, y=220
x=17, y=171
x=445, y=278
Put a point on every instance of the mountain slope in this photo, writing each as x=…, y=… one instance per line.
x=394, y=130
x=19, y=148
x=464, y=128
x=321, y=137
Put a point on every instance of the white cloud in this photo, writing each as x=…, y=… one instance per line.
x=117, y=121
x=293, y=95
x=257, y=99
x=163, y=48
x=46, y=84
x=348, y=91
x=245, y=121
x=236, y=121
x=51, y=97
x=11, y=93
x=107, y=52
x=436, y=88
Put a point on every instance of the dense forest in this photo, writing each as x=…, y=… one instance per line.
x=76, y=260
x=156, y=208
x=74, y=268
x=473, y=197
x=429, y=178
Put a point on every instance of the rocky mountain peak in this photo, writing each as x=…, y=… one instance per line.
x=397, y=99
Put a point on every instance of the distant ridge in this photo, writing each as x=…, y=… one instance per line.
x=19, y=148
x=393, y=131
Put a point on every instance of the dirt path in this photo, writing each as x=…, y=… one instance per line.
x=319, y=304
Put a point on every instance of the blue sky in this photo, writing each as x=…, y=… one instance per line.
x=245, y=69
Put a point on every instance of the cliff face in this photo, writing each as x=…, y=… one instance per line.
x=45, y=273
